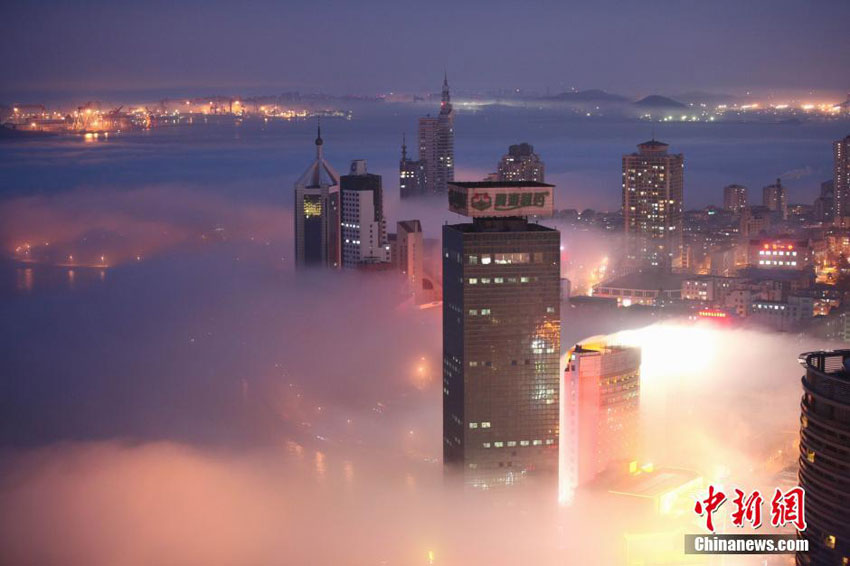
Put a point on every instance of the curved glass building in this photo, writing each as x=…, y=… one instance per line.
x=825, y=457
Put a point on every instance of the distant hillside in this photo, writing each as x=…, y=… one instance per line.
x=658, y=101
x=711, y=98
x=592, y=95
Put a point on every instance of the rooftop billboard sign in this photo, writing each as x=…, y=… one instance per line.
x=494, y=199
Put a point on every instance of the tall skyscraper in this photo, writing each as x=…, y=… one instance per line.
x=775, y=198
x=317, y=214
x=825, y=457
x=411, y=246
x=735, y=198
x=411, y=175
x=841, y=181
x=521, y=164
x=600, y=411
x=653, y=184
x=501, y=333
x=364, y=230
x=437, y=145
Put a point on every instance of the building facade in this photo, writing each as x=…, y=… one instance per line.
x=317, y=214
x=652, y=287
x=780, y=253
x=841, y=181
x=363, y=228
x=735, y=198
x=437, y=146
x=601, y=409
x=824, y=206
x=709, y=289
x=825, y=457
x=501, y=336
x=653, y=182
x=788, y=315
x=775, y=199
x=755, y=220
x=520, y=164
x=410, y=246
x=411, y=175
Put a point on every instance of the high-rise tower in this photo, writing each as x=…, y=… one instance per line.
x=501, y=333
x=653, y=186
x=437, y=146
x=364, y=229
x=735, y=198
x=825, y=457
x=411, y=174
x=411, y=244
x=317, y=214
x=600, y=408
x=841, y=181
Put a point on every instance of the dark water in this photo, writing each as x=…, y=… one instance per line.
x=167, y=344
x=261, y=160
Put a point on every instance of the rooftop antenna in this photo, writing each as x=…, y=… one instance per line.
x=319, y=141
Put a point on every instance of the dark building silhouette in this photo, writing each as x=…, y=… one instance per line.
x=775, y=198
x=825, y=457
x=411, y=174
x=521, y=164
x=824, y=207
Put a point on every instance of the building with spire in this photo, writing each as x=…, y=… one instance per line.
x=317, y=214
x=411, y=174
x=437, y=146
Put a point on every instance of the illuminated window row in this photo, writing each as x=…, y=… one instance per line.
x=500, y=280
x=775, y=262
x=505, y=258
x=475, y=312
x=768, y=307
x=512, y=443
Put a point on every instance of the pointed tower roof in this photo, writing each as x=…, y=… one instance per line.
x=319, y=173
x=446, y=101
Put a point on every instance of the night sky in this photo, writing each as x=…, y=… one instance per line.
x=369, y=47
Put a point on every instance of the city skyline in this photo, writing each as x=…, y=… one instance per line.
x=395, y=283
